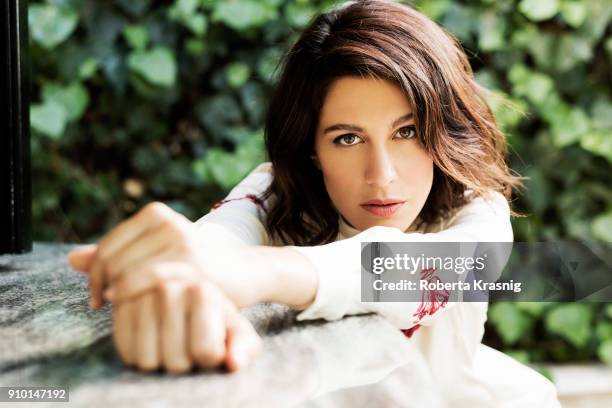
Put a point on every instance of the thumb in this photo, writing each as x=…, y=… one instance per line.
x=243, y=344
x=80, y=259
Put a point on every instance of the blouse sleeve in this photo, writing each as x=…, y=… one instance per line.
x=240, y=217
x=338, y=264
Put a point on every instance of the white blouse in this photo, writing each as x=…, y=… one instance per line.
x=468, y=373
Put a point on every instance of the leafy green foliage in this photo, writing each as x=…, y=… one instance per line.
x=50, y=25
x=572, y=322
x=546, y=331
x=134, y=101
x=509, y=321
x=158, y=65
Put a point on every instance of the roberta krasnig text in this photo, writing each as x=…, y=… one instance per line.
x=460, y=265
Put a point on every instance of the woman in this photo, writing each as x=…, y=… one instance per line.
x=376, y=131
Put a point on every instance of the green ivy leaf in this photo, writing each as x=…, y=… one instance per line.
x=74, y=98
x=201, y=170
x=604, y=351
x=602, y=227
x=534, y=309
x=572, y=50
x=299, y=14
x=135, y=8
x=598, y=142
x=196, y=47
x=602, y=114
x=253, y=99
x=197, y=23
x=433, y=9
x=237, y=74
x=491, y=32
x=569, y=127
x=542, y=47
x=158, y=66
x=217, y=113
x=603, y=330
x=460, y=20
x=523, y=37
x=136, y=36
x=267, y=65
x=182, y=8
x=538, y=10
x=51, y=25
x=228, y=169
x=574, y=12
x=608, y=311
x=539, y=191
x=535, y=86
x=244, y=14
x=88, y=68
x=571, y=321
x=185, y=12
x=509, y=321
x=48, y=118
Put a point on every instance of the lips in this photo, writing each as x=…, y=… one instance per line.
x=383, y=208
x=384, y=201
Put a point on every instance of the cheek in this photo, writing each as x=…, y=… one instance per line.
x=339, y=181
x=340, y=177
x=418, y=172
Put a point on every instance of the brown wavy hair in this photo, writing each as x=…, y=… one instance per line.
x=390, y=41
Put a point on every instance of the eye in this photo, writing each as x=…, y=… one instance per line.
x=346, y=140
x=407, y=132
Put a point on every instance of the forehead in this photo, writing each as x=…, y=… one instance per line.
x=361, y=100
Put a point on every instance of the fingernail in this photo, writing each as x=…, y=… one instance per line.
x=109, y=294
x=92, y=304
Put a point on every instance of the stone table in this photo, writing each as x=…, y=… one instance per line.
x=50, y=337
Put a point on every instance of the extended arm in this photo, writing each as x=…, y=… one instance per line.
x=229, y=247
x=329, y=275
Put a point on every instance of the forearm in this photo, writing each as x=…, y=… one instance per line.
x=284, y=276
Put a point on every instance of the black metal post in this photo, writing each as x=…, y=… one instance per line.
x=15, y=179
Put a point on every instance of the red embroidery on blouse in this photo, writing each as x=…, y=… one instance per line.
x=251, y=197
x=409, y=332
x=431, y=301
x=437, y=299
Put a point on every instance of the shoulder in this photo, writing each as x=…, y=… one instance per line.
x=492, y=203
x=265, y=167
x=486, y=210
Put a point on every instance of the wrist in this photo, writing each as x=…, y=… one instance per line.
x=284, y=276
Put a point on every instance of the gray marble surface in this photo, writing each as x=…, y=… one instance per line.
x=49, y=336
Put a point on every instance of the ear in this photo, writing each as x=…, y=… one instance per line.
x=316, y=162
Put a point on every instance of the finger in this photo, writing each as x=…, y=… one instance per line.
x=140, y=250
x=146, y=333
x=149, y=217
x=243, y=343
x=173, y=305
x=207, y=325
x=80, y=259
x=123, y=324
x=96, y=283
x=146, y=278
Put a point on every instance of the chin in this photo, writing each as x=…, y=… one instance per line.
x=387, y=223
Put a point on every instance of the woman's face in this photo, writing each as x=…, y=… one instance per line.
x=367, y=149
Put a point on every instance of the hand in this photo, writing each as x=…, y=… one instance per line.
x=158, y=244
x=181, y=325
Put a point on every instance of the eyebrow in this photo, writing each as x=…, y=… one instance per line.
x=355, y=128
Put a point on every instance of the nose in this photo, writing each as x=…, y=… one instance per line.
x=380, y=169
